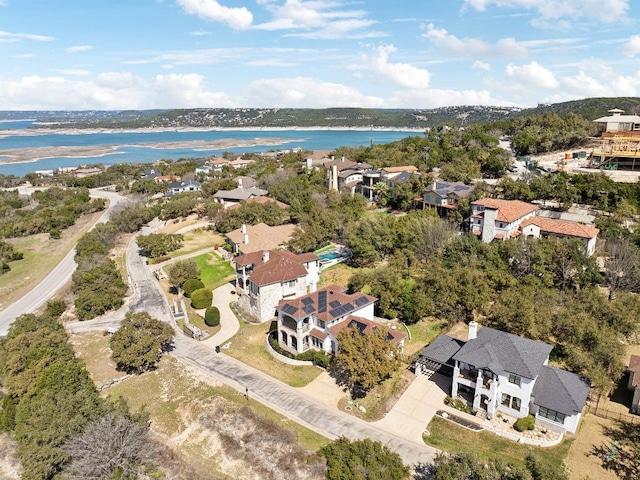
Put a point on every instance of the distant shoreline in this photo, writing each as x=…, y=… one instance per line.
x=89, y=131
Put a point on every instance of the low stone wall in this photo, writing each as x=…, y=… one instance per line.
x=283, y=359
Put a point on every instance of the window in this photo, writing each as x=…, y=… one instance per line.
x=516, y=403
x=551, y=415
x=321, y=324
x=515, y=379
x=506, y=400
x=511, y=402
x=427, y=198
x=290, y=284
x=255, y=289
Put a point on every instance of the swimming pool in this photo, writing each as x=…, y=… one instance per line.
x=327, y=257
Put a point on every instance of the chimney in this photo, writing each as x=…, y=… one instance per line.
x=239, y=182
x=265, y=256
x=473, y=330
x=434, y=185
x=244, y=229
x=334, y=178
x=343, y=158
x=246, y=238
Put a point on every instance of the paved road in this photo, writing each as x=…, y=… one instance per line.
x=58, y=277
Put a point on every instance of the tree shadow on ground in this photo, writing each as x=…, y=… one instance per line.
x=622, y=455
x=343, y=380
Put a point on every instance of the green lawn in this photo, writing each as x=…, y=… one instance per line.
x=213, y=270
x=449, y=437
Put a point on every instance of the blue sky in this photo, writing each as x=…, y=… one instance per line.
x=141, y=54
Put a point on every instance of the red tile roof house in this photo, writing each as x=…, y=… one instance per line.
x=266, y=277
x=493, y=218
x=314, y=321
x=634, y=382
x=548, y=227
x=497, y=372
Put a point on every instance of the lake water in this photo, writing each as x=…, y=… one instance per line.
x=129, y=150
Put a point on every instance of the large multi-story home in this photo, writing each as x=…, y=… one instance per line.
x=344, y=175
x=313, y=321
x=495, y=371
x=389, y=176
x=264, y=278
x=445, y=196
x=493, y=218
x=259, y=237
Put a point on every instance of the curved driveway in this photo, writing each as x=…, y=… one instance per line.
x=57, y=278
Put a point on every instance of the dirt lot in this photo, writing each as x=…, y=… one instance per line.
x=582, y=462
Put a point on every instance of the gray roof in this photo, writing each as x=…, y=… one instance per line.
x=559, y=390
x=619, y=119
x=447, y=188
x=442, y=349
x=504, y=352
x=240, y=193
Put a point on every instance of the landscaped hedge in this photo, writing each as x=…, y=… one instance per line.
x=318, y=357
x=212, y=316
x=201, y=298
x=525, y=423
x=191, y=286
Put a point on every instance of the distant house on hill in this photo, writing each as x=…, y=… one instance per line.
x=389, y=176
x=183, y=187
x=617, y=122
x=233, y=197
x=344, y=175
x=548, y=227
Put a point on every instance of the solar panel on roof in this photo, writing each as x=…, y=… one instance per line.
x=322, y=301
x=348, y=308
x=360, y=301
x=334, y=304
x=289, y=309
x=307, y=301
x=309, y=309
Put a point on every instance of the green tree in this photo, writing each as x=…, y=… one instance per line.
x=158, y=244
x=367, y=358
x=362, y=460
x=181, y=271
x=139, y=342
x=201, y=298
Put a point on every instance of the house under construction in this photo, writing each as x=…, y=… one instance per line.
x=620, y=152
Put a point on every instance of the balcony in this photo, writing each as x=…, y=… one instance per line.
x=471, y=375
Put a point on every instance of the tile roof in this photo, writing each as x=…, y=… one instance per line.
x=318, y=333
x=508, y=210
x=408, y=168
x=559, y=390
x=634, y=368
x=261, y=237
x=442, y=349
x=281, y=266
x=365, y=326
x=561, y=227
x=327, y=304
x=501, y=352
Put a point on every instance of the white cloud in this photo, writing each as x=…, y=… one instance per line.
x=25, y=55
x=532, y=74
x=111, y=91
x=435, y=97
x=569, y=10
x=479, y=65
x=321, y=19
x=79, y=48
x=236, y=18
x=402, y=74
x=631, y=47
x=473, y=47
x=74, y=71
x=8, y=37
x=304, y=92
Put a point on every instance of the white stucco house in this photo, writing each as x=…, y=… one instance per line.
x=495, y=371
x=182, y=187
x=549, y=227
x=618, y=122
x=313, y=321
x=493, y=218
x=266, y=277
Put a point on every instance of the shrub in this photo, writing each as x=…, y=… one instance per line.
x=191, y=286
x=212, y=316
x=525, y=423
x=201, y=298
x=161, y=258
x=318, y=357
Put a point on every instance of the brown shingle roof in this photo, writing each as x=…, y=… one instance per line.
x=282, y=266
x=365, y=326
x=408, y=168
x=327, y=304
x=508, y=210
x=561, y=227
x=259, y=200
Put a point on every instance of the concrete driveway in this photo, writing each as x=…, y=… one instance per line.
x=416, y=407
